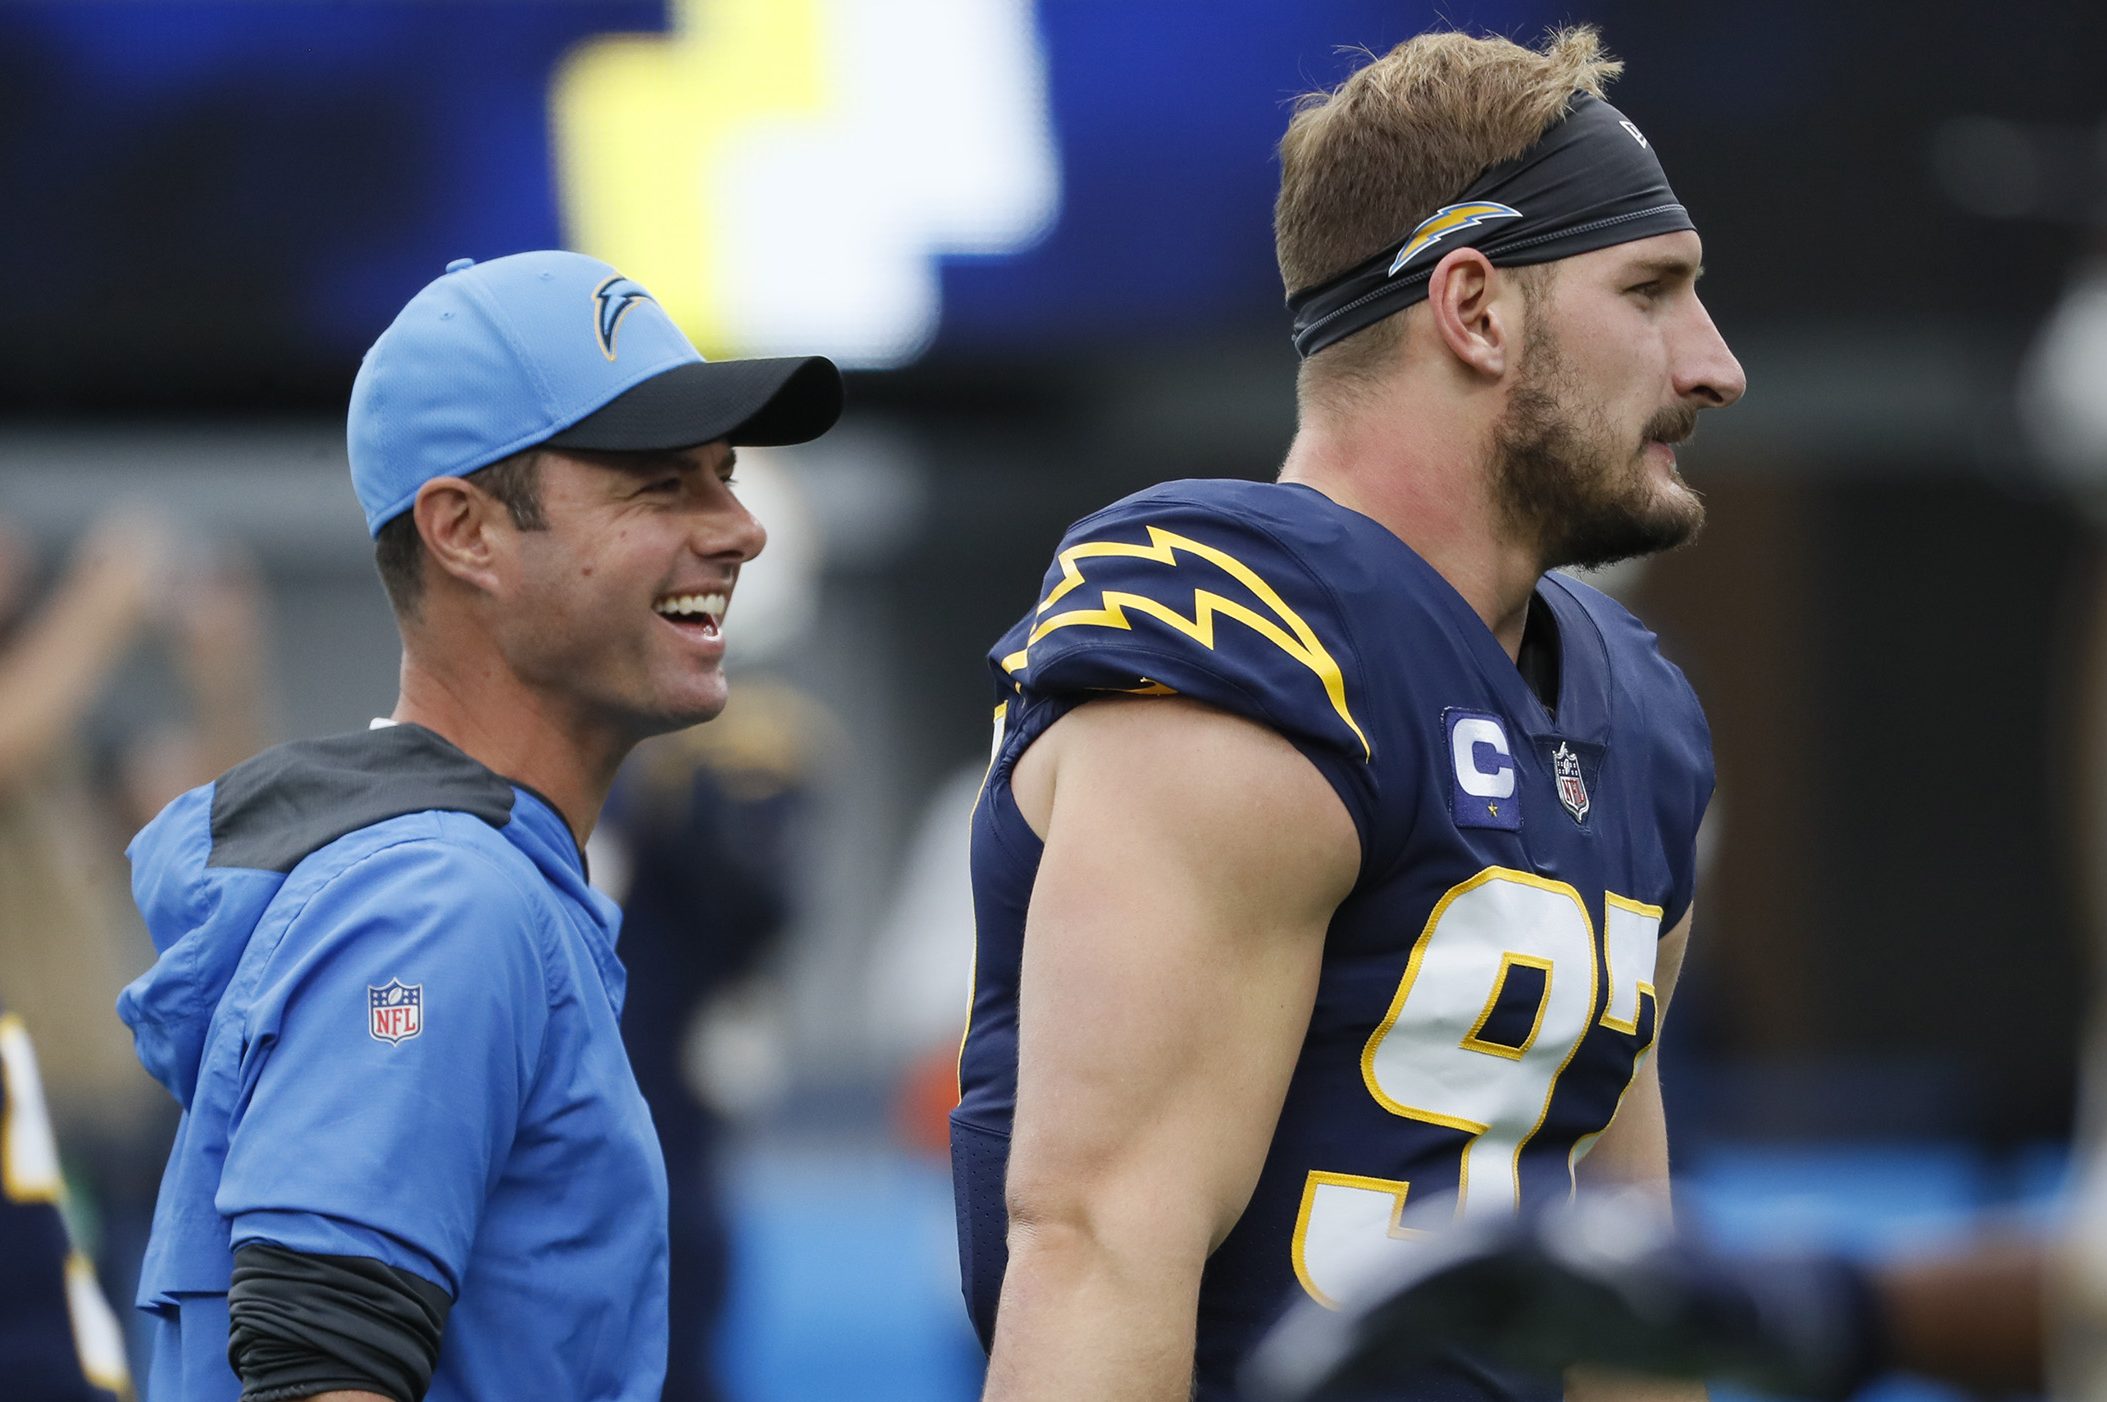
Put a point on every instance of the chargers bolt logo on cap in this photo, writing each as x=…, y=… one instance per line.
x=612, y=300
x=495, y=357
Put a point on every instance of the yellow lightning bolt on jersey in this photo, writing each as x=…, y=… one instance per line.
x=1279, y=624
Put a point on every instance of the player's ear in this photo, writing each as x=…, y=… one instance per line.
x=456, y=522
x=1476, y=313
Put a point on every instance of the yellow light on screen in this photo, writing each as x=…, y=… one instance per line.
x=786, y=175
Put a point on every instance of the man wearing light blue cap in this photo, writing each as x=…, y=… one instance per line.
x=413, y=1160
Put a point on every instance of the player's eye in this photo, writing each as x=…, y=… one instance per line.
x=664, y=486
x=1648, y=290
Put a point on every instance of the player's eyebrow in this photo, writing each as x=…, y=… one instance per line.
x=1667, y=267
x=646, y=461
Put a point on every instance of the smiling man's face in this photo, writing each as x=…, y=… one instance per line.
x=615, y=614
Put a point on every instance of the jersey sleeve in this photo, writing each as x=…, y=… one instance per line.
x=387, y=1055
x=1163, y=597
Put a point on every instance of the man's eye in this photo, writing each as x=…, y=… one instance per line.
x=1647, y=289
x=664, y=485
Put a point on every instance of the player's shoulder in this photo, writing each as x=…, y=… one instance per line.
x=1277, y=521
x=1261, y=553
x=1206, y=589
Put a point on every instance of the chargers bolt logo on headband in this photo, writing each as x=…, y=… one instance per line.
x=1446, y=221
x=612, y=300
x=1590, y=181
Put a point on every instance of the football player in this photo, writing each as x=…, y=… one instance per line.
x=1334, y=854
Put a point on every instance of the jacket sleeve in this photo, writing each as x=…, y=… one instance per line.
x=387, y=1055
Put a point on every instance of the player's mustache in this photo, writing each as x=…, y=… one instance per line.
x=1675, y=424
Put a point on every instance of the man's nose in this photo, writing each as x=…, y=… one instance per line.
x=1706, y=370
x=735, y=531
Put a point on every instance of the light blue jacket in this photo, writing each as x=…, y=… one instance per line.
x=387, y=1001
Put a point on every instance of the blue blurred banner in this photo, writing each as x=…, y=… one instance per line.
x=220, y=204
x=248, y=178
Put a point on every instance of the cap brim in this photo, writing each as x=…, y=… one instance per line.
x=789, y=399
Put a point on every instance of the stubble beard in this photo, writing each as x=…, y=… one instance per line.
x=1563, y=476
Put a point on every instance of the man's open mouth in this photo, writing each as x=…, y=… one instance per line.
x=703, y=613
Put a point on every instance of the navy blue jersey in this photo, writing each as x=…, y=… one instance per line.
x=1486, y=994
x=59, y=1342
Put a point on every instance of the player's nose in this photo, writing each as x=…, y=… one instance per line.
x=731, y=532
x=1706, y=371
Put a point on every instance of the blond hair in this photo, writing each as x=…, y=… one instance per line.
x=1363, y=164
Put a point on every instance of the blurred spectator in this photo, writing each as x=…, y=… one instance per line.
x=69, y=938
x=701, y=841
x=59, y=1340
x=65, y=946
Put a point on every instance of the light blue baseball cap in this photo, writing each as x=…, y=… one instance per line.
x=560, y=349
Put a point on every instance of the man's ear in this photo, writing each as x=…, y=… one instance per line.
x=1476, y=312
x=459, y=525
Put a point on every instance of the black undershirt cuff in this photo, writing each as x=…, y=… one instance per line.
x=300, y=1324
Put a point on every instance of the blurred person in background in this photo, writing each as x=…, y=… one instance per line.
x=69, y=791
x=387, y=997
x=59, y=1342
x=709, y=826
x=1317, y=927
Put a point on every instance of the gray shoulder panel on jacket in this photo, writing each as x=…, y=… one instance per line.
x=270, y=812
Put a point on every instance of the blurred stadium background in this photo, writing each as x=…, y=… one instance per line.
x=1039, y=235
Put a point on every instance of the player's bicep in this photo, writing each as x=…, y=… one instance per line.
x=1191, y=865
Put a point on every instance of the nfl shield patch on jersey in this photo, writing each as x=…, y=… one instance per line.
x=1572, y=787
x=395, y=1011
x=1575, y=767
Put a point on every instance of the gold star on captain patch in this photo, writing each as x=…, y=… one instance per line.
x=1493, y=808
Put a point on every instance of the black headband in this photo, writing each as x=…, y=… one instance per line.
x=1590, y=182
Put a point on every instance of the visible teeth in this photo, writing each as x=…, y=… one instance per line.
x=689, y=605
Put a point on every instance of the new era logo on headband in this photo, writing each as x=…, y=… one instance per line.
x=1446, y=221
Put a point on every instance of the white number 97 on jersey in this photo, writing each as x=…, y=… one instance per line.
x=1491, y=942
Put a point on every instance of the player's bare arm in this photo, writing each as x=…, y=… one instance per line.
x=1192, y=863
x=1633, y=1153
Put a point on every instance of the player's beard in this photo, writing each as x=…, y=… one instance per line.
x=1562, y=474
